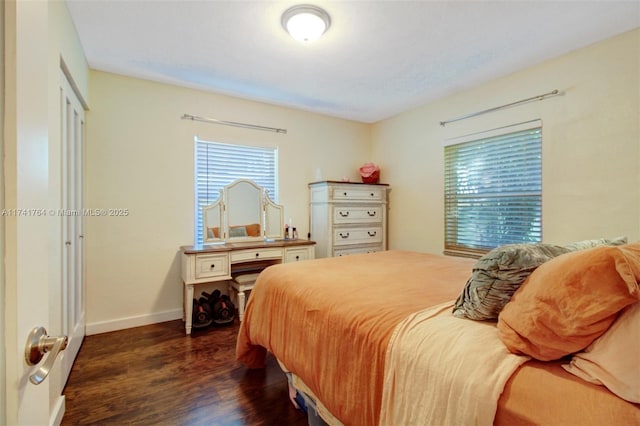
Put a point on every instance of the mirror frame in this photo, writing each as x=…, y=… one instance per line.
x=273, y=219
x=219, y=206
x=271, y=216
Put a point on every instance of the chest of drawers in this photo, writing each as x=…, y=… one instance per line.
x=348, y=218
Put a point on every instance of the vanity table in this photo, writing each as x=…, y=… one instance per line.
x=206, y=264
x=243, y=233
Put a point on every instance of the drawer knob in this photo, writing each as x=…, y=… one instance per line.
x=372, y=214
x=297, y=257
x=345, y=235
x=372, y=234
x=345, y=194
x=257, y=254
x=344, y=214
x=371, y=194
x=212, y=266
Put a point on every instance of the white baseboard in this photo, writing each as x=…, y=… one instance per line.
x=130, y=322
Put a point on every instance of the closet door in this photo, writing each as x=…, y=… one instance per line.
x=72, y=297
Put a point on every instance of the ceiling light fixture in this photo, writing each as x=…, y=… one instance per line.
x=305, y=22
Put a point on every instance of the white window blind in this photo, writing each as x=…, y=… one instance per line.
x=218, y=164
x=493, y=191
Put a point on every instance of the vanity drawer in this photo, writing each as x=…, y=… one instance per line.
x=357, y=250
x=298, y=254
x=256, y=254
x=357, y=235
x=357, y=214
x=359, y=194
x=212, y=265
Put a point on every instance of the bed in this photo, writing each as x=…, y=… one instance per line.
x=372, y=339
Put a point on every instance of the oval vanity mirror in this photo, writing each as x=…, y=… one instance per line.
x=243, y=200
x=244, y=212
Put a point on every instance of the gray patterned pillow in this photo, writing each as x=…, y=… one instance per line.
x=497, y=275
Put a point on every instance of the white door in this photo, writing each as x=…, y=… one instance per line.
x=72, y=311
x=32, y=226
x=3, y=361
x=26, y=181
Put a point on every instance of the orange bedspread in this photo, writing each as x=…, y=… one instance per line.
x=339, y=314
x=329, y=321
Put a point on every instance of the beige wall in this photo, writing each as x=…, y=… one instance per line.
x=591, y=146
x=68, y=49
x=139, y=157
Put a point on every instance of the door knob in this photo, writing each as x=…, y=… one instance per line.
x=38, y=344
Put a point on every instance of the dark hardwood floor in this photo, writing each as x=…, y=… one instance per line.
x=156, y=375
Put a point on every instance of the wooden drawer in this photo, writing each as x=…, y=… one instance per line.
x=357, y=214
x=357, y=250
x=298, y=254
x=256, y=254
x=367, y=235
x=358, y=194
x=211, y=265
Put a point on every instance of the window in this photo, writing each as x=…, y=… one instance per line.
x=493, y=190
x=218, y=164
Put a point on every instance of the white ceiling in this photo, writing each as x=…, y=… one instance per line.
x=378, y=58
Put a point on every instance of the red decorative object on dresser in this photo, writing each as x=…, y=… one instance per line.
x=370, y=173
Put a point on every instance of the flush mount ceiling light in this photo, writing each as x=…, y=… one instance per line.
x=305, y=22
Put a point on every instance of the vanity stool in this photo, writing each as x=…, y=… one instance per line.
x=241, y=283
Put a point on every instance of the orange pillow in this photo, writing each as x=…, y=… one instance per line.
x=213, y=232
x=253, y=230
x=570, y=301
